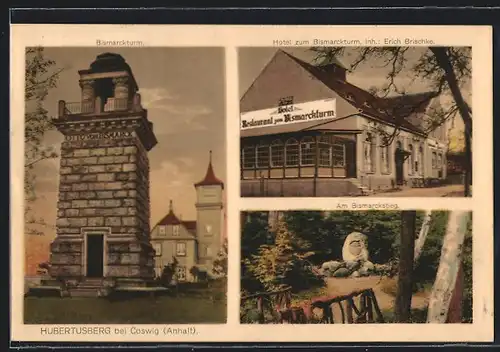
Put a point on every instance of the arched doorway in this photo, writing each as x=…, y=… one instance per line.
x=399, y=159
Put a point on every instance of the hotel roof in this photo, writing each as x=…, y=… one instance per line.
x=392, y=110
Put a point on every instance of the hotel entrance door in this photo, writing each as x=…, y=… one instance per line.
x=399, y=156
x=95, y=255
x=399, y=169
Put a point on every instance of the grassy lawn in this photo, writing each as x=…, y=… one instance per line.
x=185, y=308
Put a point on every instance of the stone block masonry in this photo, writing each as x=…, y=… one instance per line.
x=104, y=184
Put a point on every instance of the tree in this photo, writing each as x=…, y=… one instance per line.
x=254, y=233
x=41, y=75
x=426, y=265
x=424, y=230
x=220, y=263
x=168, y=273
x=402, y=311
x=311, y=230
x=195, y=272
x=446, y=69
x=283, y=264
x=449, y=267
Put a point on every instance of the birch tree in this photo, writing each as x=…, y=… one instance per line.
x=449, y=267
x=424, y=231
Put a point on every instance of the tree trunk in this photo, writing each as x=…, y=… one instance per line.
x=446, y=277
x=402, y=310
x=465, y=112
x=468, y=164
x=455, y=310
x=273, y=218
x=424, y=230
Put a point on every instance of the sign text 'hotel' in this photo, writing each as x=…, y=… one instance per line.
x=289, y=113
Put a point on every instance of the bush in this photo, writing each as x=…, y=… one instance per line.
x=220, y=263
x=168, y=273
x=283, y=264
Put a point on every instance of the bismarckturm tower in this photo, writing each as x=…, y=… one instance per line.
x=104, y=208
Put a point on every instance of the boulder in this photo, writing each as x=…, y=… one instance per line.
x=363, y=272
x=352, y=265
x=341, y=272
x=355, y=274
x=355, y=247
x=331, y=265
x=368, y=266
x=327, y=273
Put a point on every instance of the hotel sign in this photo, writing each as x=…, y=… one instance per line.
x=289, y=113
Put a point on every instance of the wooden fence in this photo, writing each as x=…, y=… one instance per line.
x=275, y=301
x=366, y=310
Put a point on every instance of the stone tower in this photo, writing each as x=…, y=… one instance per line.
x=103, y=208
x=209, y=223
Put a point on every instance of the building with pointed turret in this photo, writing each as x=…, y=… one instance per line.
x=193, y=243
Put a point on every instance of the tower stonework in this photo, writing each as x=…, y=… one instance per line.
x=103, y=228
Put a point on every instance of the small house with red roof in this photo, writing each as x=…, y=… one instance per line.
x=306, y=131
x=193, y=243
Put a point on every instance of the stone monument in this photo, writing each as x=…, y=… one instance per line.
x=103, y=208
x=355, y=247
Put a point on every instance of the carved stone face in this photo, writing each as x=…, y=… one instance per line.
x=355, y=247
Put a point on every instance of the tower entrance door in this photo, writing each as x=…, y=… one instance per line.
x=95, y=255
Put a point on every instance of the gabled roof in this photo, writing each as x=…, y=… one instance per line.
x=385, y=109
x=210, y=178
x=172, y=219
x=190, y=225
x=331, y=60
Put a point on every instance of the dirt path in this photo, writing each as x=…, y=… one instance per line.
x=441, y=191
x=383, y=287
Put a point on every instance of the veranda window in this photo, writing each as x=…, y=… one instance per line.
x=292, y=152
x=262, y=155
x=277, y=153
x=338, y=151
x=248, y=156
x=307, y=148
x=325, y=152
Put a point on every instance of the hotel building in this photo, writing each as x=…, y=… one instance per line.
x=306, y=131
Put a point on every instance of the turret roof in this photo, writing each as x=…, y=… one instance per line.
x=210, y=178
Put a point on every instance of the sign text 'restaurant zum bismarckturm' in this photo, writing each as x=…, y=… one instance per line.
x=289, y=113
